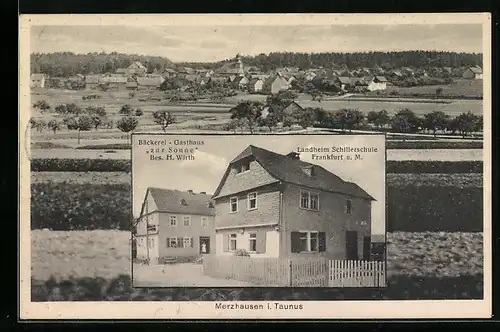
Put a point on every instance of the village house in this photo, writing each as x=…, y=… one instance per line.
x=275, y=84
x=240, y=82
x=110, y=82
x=343, y=82
x=149, y=83
x=309, y=76
x=292, y=108
x=275, y=205
x=131, y=83
x=473, y=73
x=175, y=223
x=37, y=81
x=376, y=83
x=136, y=68
x=91, y=82
x=255, y=85
x=219, y=80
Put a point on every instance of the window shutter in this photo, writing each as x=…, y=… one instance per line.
x=225, y=242
x=168, y=242
x=321, y=241
x=191, y=241
x=180, y=242
x=260, y=242
x=295, y=241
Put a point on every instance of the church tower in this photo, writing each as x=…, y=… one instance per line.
x=240, y=63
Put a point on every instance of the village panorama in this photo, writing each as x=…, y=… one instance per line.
x=114, y=95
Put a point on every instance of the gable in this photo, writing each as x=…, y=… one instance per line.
x=233, y=182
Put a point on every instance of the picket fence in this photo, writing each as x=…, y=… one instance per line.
x=296, y=272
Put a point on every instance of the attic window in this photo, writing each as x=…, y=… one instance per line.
x=243, y=167
x=183, y=202
x=309, y=170
x=210, y=205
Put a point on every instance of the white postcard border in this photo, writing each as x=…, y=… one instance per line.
x=207, y=310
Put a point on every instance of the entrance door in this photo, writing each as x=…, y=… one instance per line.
x=367, y=244
x=204, y=245
x=351, y=244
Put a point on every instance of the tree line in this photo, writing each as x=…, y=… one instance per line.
x=275, y=111
x=385, y=60
x=65, y=64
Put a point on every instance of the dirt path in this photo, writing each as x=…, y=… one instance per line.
x=179, y=275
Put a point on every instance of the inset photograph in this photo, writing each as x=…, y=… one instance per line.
x=258, y=210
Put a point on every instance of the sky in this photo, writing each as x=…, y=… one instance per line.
x=215, y=43
x=212, y=158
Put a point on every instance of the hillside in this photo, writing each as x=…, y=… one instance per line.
x=66, y=64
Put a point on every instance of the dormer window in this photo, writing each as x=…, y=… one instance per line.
x=183, y=202
x=210, y=205
x=243, y=167
x=309, y=170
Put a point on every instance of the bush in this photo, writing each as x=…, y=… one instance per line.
x=60, y=206
x=80, y=165
x=121, y=289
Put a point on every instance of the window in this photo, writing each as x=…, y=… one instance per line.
x=252, y=201
x=204, y=222
x=188, y=242
x=252, y=242
x=309, y=200
x=172, y=242
x=233, y=204
x=186, y=220
x=151, y=243
x=173, y=220
x=308, y=241
x=304, y=200
x=183, y=202
x=348, y=206
x=245, y=166
x=232, y=242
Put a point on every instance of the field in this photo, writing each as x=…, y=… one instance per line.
x=95, y=266
x=459, y=88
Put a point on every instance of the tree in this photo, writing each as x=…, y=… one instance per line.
x=436, y=120
x=83, y=123
x=42, y=105
x=54, y=125
x=320, y=116
x=139, y=112
x=127, y=123
x=348, y=118
x=465, y=123
x=234, y=124
x=163, y=118
x=439, y=91
x=96, y=111
x=405, y=121
x=38, y=125
x=372, y=116
x=272, y=119
x=69, y=109
x=126, y=110
x=383, y=119
x=249, y=111
x=304, y=118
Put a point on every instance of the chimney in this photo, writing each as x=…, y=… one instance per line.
x=294, y=155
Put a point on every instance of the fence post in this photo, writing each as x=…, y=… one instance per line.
x=291, y=273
